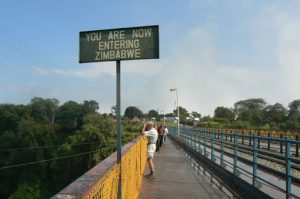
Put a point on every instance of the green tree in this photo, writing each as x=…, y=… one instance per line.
x=170, y=114
x=133, y=111
x=152, y=113
x=39, y=124
x=114, y=111
x=70, y=115
x=275, y=113
x=293, y=120
x=27, y=191
x=250, y=110
x=8, y=120
x=103, y=123
x=183, y=113
x=31, y=135
x=195, y=114
x=10, y=115
x=97, y=130
x=294, y=109
x=224, y=113
x=90, y=106
x=44, y=109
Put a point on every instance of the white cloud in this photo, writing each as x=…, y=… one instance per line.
x=204, y=81
x=289, y=55
x=278, y=30
x=91, y=71
x=96, y=70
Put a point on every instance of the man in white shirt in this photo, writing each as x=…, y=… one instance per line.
x=151, y=133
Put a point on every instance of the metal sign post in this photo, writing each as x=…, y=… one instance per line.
x=119, y=131
x=116, y=45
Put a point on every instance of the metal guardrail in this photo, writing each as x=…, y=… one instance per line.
x=102, y=180
x=293, y=135
x=216, y=146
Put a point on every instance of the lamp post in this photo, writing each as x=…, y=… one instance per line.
x=175, y=89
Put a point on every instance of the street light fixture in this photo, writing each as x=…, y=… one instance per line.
x=175, y=89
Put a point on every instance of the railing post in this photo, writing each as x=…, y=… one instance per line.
x=297, y=145
x=235, y=153
x=212, y=146
x=198, y=138
x=185, y=138
x=258, y=140
x=205, y=154
x=250, y=138
x=191, y=139
x=222, y=150
x=243, y=138
x=194, y=133
x=269, y=141
x=281, y=147
x=288, y=167
x=254, y=148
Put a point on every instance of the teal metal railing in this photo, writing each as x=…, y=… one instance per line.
x=249, y=157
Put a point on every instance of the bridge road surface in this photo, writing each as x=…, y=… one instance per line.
x=175, y=178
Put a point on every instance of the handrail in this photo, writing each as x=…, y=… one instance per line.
x=102, y=180
x=210, y=141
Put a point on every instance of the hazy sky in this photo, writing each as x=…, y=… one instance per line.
x=215, y=52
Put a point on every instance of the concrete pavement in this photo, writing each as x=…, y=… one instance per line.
x=176, y=179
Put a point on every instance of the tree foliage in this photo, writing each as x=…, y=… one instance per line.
x=195, y=114
x=133, y=111
x=275, y=113
x=250, y=110
x=255, y=113
x=183, y=113
x=45, y=130
x=152, y=113
x=224, y=113
x=44, y=109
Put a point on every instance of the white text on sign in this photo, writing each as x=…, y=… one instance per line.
x=118, y=44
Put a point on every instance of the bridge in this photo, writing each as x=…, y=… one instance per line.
x=199, y=163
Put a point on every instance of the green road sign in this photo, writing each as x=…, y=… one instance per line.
x=119, y=44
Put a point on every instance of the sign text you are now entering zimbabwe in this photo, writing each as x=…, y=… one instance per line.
x=119, y=44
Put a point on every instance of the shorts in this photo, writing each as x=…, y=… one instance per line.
x=151, y=150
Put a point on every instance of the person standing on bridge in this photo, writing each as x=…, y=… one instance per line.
x=151, y=133
x=161, y=132
x=166, y=131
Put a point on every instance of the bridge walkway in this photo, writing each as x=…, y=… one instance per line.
x=176, y=178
